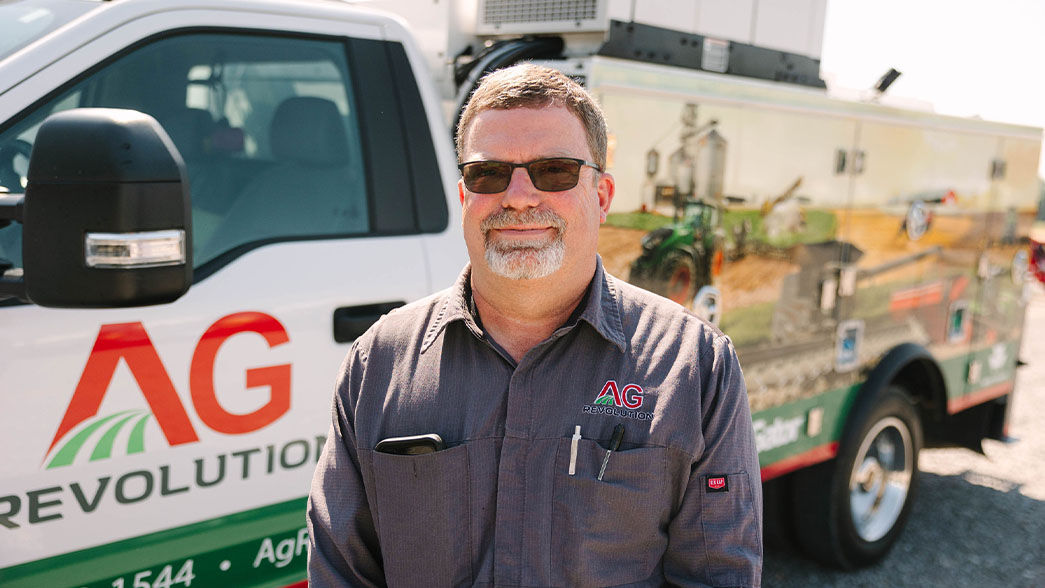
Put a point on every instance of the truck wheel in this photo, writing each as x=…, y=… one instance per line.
x=851, y=510
x=680, y=278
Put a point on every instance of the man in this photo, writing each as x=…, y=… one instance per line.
x=592, y=433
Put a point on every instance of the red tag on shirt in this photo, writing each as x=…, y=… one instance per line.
x=718, y=484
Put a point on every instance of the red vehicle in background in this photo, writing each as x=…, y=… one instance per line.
x=1037, y=243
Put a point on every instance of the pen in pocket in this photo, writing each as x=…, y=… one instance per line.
x=573, y=449
x=618, y=435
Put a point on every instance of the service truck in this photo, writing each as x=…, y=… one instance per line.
x=868, y=261
x=203, y=203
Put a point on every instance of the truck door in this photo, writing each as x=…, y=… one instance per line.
x=1005, y=215
x=316, y=197
x=919, y=211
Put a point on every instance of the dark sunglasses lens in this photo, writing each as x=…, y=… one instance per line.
x=555, y=175
x=487, y=177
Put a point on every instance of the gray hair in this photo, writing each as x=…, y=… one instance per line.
x=532, y=86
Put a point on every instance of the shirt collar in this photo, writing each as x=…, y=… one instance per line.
x=453, y=307
x=603, y=308
x=601, y=311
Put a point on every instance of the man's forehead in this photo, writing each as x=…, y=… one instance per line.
x=529, y=114
x=526, y=127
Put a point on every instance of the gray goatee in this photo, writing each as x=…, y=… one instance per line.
x=524, y=259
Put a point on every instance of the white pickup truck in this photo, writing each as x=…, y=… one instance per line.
x=172, y=445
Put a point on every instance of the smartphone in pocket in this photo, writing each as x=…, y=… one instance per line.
x=412, y=445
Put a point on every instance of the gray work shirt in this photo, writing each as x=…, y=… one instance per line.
x=679, y=503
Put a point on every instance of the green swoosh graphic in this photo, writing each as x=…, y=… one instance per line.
x=67, y=453
x=104, y=447
x=136, y=444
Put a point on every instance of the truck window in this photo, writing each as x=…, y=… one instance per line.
x=267, y=127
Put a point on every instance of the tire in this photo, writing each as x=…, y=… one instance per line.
x=778, y=526
x=680, y=278
x=851, y=510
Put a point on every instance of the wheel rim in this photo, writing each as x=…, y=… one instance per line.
x=679, y=284
x=881, y=478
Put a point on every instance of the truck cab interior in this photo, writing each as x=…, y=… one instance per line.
x=263, y=123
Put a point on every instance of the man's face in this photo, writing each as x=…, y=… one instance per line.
x=522, y=232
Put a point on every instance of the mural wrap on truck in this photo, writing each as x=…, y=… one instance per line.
x=819, y=236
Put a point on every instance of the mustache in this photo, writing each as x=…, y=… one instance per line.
x=534, y=216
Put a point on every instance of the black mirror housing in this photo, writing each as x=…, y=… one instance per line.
x=106, y=214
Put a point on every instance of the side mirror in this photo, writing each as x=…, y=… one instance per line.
x=106, y=214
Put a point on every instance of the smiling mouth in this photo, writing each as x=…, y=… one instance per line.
x=522, y=230
x=522, y=233
x=528, y=226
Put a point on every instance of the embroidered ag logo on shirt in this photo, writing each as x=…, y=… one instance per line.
x=617, y=401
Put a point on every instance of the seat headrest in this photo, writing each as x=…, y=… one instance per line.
x=309, y=130
x=189, y=128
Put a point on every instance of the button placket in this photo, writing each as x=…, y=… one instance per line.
x=511, y=481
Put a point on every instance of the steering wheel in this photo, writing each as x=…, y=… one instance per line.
x=13, y=170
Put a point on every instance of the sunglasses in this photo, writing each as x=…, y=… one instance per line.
x=553, y=174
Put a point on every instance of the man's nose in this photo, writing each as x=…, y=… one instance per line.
x=521, y=192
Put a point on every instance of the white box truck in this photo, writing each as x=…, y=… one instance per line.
x=869, y=262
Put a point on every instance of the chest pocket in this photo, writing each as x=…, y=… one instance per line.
x=611, y=531
x=422, y=517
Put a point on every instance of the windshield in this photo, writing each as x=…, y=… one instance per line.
x=24, y=21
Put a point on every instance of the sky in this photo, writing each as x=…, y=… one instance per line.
x=981, y=58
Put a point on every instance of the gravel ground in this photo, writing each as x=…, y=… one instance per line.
x=978, y=520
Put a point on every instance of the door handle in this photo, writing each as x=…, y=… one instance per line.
x=352, y=321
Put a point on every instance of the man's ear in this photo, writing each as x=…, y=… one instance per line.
x=460, y=190
x=605, y=190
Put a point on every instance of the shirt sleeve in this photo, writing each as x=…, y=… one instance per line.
x=343, y=544
x=715, y=539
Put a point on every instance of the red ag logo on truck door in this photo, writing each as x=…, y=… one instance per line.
x=130, y=342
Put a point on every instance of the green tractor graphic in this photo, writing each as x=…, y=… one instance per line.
x=679, y=259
